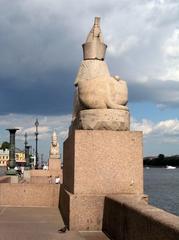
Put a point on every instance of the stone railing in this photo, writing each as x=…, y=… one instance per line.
x=5, y=179
x=29, y=195
x=128, y=218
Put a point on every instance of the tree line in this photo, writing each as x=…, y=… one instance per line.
x=162, y=160
x=5, y=145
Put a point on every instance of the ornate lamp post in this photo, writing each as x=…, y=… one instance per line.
x=12, y=161
x=36, y=140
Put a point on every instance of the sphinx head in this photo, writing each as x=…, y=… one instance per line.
x=94, y=47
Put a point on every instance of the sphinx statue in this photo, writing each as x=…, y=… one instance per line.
x=99, y=95
x=54, y=162
x=54, y=146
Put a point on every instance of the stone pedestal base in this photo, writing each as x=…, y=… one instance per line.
x=103, y=119
x=81, y=212
x=98, y=163
x=103, y=162
x=14, y=179
x=86, y=212
x=54, y=166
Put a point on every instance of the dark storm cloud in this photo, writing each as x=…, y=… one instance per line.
x=51, y=95
x=40, y=45
x=37, y=63
x=164, y=93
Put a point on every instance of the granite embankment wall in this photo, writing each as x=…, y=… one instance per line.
x=43, y=176
x=29, y=195
x=128, y=219
x=40, y=173
x=5, y=179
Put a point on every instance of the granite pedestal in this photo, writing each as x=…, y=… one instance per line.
x=98, y=163
x=55, y=167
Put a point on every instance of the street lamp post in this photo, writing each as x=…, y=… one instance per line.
x=36, y=141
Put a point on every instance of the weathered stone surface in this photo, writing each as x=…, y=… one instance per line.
x=104, y=119
x=82, y=212
x=90, y=69
x=54, y=163
x=33, y=223
x=103, y=162
x=129, y=218
x=54, y=146
x=94, y=48
x=95, y=87
x=42, y=195
x=55, y=168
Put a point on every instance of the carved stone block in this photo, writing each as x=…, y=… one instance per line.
x=104, y=119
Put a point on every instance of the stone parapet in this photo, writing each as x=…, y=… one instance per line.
x=5, y=179
x=46, y=173
x=132, y=219
x=29, y=195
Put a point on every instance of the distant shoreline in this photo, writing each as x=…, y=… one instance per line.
x=161, y=161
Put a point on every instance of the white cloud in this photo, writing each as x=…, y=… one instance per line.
x=120, y=47
x=144, y=125
x=170, y=50
x=168, y=129
x=26, y=125
x=171, y=46
x=159, y=137
x=64, y=134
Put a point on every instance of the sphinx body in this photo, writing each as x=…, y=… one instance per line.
x=97, y=90
x=54, y=146
x=54, y=162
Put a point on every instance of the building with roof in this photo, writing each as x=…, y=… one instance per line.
x=4, y=157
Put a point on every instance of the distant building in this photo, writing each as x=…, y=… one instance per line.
x=4, y=157
x=20, y=157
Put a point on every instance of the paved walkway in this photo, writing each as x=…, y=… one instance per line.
x=22, y=223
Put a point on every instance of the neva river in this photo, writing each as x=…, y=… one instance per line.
x=162, y=186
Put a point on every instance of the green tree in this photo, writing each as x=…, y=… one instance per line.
x=161, y=157
x=161, y=160
x=5, y=145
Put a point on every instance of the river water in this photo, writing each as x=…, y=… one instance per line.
x=162, y=186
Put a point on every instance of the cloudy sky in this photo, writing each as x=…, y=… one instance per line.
x=40, y=46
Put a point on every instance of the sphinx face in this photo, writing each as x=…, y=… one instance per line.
x=54, y=142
